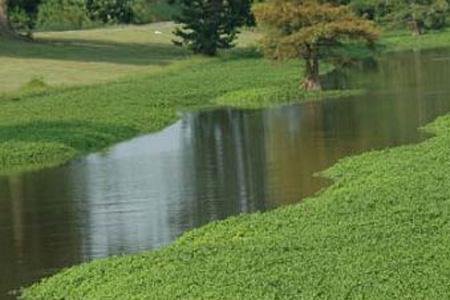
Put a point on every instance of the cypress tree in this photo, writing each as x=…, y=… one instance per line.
x=310, y=30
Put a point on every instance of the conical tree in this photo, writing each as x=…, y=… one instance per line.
x=311, y=31
x=209, y=25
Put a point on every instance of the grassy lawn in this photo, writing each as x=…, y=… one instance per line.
x=87, y=57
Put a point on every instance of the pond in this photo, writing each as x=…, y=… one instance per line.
x=210, y=165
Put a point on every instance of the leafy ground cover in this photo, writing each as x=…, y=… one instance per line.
x=380, y=232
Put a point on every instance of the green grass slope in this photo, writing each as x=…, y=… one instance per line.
x=380, y=232
x=87, y=57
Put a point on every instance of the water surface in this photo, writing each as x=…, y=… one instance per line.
x=142, y=194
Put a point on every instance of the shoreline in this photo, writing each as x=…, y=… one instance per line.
x=374, y=204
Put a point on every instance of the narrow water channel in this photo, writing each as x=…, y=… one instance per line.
x=210, y=165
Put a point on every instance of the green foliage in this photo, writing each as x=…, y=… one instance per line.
x=63, y=15
x=420, y=15
x=436, y=16
x=277, y=95
x=22, y=14
x=20, y=20
x=29, y=6
x=380, y=232
x=311, y=31
x=147, y=11
x=35, y=85
x=212, y=24
x=376, y=10
x=110, y=11
x=417, y=15
x=34, y=153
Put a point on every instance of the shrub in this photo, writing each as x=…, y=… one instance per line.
x=371, y=9
x=22, y=14
x=147, y=11
x=63, y=15
x=110, y=11
x=436, y=17
x=20, y=20
x=35, y=84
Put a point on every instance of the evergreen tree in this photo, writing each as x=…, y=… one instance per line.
x=209, y=25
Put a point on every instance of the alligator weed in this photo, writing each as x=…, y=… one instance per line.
x=380, y=232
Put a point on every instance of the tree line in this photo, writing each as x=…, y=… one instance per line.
x=28, y=15
x=204, y=20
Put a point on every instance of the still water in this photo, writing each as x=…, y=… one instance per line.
x=142, y=194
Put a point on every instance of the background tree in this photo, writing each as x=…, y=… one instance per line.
x=22, y=15
x=209, y=25
x=110, y=11
x=375, y=10
x=4, y=24
x=311, y=31
x=419, y=15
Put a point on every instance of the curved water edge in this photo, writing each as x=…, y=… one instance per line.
x=208, y=166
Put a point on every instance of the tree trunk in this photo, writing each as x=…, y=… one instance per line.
x=312, y=79
x=212, y=28
x=416, y=26
x=5, y=29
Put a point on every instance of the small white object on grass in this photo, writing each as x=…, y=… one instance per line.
x=158, y=32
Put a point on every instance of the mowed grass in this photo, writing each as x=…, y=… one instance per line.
x=380, y=232
x=87, y=57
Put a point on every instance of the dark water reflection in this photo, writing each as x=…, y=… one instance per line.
x=210, y=165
